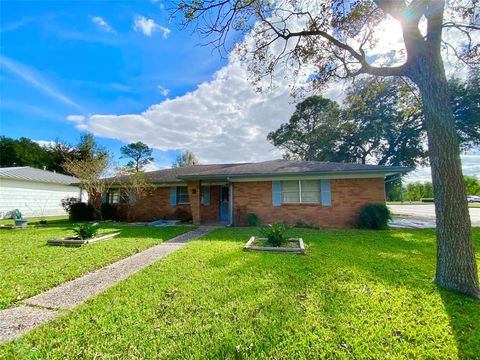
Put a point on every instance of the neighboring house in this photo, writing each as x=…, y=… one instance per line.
x=35, y=192
x=323, y=193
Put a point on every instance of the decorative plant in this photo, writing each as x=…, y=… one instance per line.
x=253, y=220
x=374, y=216
x=85, y=231
x=275, y=233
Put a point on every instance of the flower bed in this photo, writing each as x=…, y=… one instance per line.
x=75, y=241
x=293, y=245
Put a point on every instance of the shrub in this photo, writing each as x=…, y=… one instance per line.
x=182, y=215
x=109, y=212
x=427, y=200
x=84, y=231
x=374, y=216
x=305, y=225
x=68, y=202
x=275, y=233
x=81, y=212
x=253, y=220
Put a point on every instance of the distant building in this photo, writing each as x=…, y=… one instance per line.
x=35, y=192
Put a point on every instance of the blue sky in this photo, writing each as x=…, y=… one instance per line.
x=61, y=58
x=124, y=72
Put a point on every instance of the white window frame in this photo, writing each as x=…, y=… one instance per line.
x=300, y=200
x=179, y=188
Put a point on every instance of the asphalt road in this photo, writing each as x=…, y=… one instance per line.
x=427, y=211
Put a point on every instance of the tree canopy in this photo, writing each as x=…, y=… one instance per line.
x=139, y=153
x=186, y=158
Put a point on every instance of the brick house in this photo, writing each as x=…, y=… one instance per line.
x=324, y=193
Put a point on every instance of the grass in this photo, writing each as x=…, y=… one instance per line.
x=36, y=220
x=356, y=294
x=29, y=266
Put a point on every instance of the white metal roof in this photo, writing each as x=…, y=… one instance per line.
x=31, y=174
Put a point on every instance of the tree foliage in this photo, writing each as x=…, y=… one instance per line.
x=186, y=158
x=325, y=40
x=139, y=153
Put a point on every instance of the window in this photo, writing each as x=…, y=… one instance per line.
x=301, y=192
x=116, y=197
x=182, y=195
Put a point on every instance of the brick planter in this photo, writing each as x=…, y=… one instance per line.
x=73, y=241
x=298, y=249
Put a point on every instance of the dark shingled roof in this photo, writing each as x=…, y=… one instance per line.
x=31, y=174
x=262, y=169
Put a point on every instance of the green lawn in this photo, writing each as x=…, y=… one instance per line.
x=36, y=220
x=356, y=294
x=29, y=266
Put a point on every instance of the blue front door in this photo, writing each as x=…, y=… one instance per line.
x=224, y=203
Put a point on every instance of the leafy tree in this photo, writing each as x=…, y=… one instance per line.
x=140, y=154
x=337, y=39
x=472, y=183
x=465, y=99
x=312, y=132
x=186, y=158
x=22, y=152
x=415, y=191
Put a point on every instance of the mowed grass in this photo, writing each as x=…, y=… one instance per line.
x=29, y=266
x=36, y=220
x=356, y=294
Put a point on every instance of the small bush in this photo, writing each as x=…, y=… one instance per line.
x=275, y=233
x=427, y=200
x=374, y=216
x=81, y=212
x=301, y=224
x=68, y=202
x=182, y=215
x=253, y=220
x=84, y=231
x=109, y=212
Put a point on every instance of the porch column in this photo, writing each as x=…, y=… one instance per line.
x=194, y=195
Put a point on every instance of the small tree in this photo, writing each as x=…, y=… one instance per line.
x=139, y=153
x=134, y=186
x=186, y=158
x=91, y=173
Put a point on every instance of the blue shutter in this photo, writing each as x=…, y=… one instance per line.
x=104, y=198
x=173, y=195
x=206, y=195
x=276, y=193
x=326, y=193
x=132, y=199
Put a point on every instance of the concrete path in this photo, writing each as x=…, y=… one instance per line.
x=426, y=214
x=41, y=308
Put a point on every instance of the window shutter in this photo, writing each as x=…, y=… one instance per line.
x=326, y=193
x=206, y=195
x=276, y=193
x=132, y=199
x=104, y=198
x=173, y=195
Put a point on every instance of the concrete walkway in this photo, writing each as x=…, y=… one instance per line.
x=41, y=308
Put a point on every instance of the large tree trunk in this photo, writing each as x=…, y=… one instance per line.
x=456, y=266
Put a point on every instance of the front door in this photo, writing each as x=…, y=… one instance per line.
x=224, y=203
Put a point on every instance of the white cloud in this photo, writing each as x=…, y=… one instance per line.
x=163, y=90
x=32, y=77
x=148, y=26
x=223, y=120
x=76, y=118
x=102, y=24
x=44, y=143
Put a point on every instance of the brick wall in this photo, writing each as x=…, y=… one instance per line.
x=348, y=196
x=211, y=213
x=154, y=206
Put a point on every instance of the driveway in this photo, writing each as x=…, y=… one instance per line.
x=418, y=214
